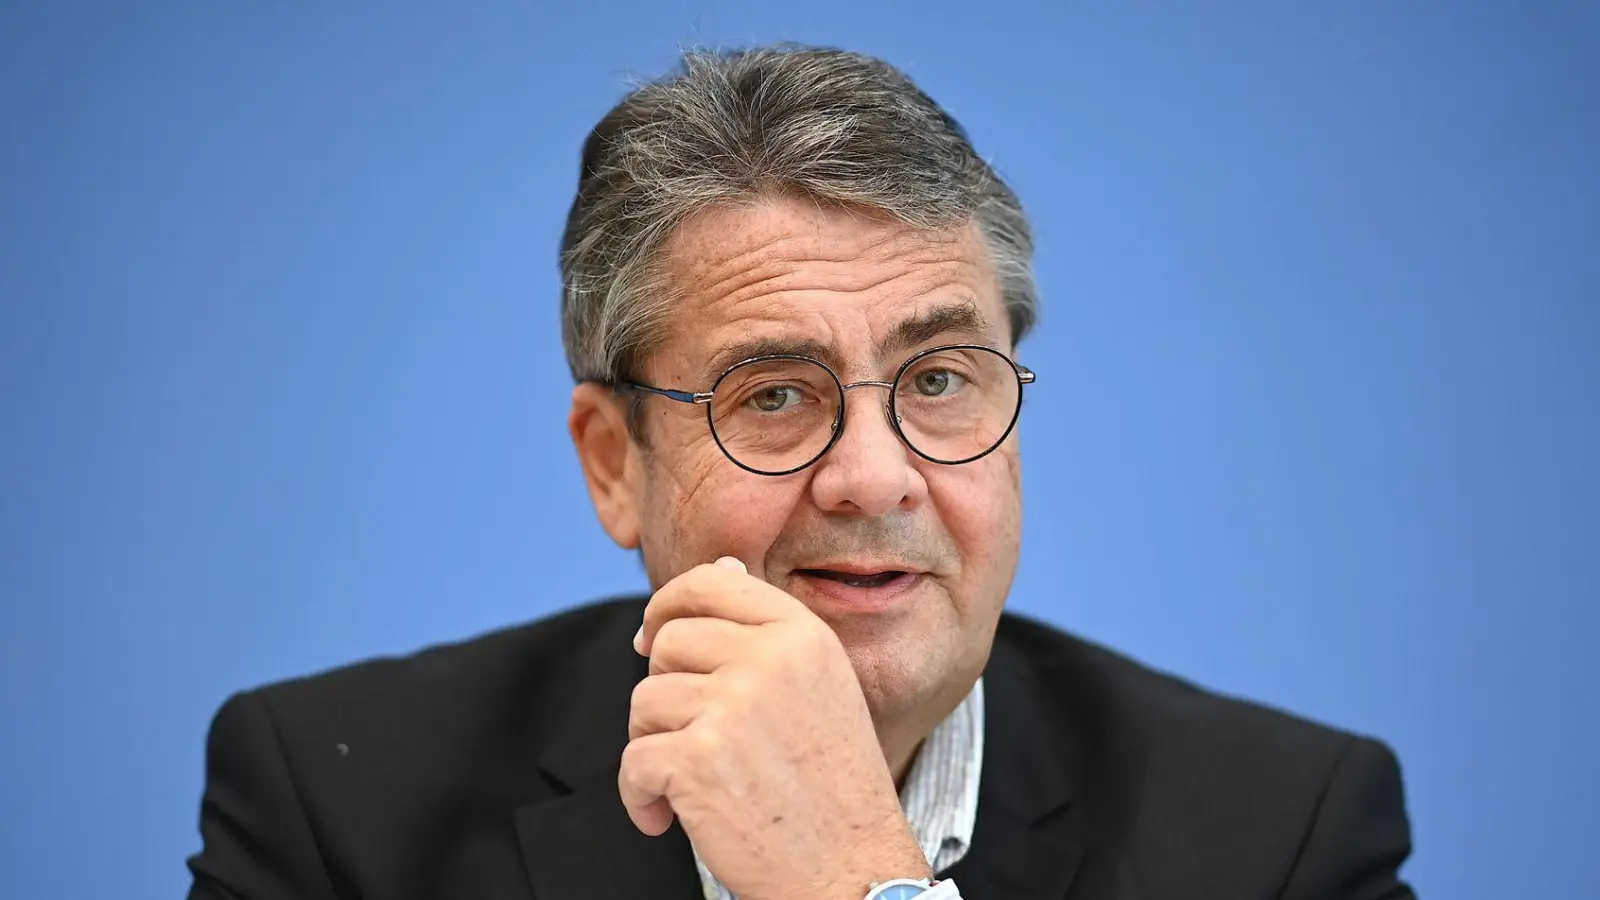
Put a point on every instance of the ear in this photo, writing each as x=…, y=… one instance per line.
x=599, y=426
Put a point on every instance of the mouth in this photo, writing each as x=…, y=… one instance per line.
x=854, y=579
x=859, y=590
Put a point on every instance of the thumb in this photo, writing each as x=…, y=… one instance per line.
x=729, y=562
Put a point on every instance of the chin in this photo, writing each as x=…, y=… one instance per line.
x=895, y=679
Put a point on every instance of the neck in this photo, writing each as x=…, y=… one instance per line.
x=900, y=763
x=901, y=737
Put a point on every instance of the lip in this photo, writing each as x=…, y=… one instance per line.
x=860, y=567
x=854, y=599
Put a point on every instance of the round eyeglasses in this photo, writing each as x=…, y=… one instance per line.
x=776, y=415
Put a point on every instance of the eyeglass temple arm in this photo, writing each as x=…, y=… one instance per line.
x=1025, y=375
x=670, y=394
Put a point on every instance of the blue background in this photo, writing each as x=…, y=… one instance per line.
x=281, y=383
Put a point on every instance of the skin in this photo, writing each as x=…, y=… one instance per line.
x=798, y=797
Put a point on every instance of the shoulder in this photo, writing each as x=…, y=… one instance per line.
x=487, y=690
x=1196, y=788
x=1103, y=687
x=358, y=768
x=525, y=654
x=1184, y=752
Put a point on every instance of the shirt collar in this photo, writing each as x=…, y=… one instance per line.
x=940, y=796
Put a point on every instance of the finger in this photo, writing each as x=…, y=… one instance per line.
x=718, y=591
x=700, y=645
x=654, y=819
x=666, y=702
x=643, y=780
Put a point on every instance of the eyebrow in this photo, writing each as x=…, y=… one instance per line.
x=946, y=319
x=736, y=353
x=956, y=319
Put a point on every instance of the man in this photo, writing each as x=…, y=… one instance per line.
x=792, y=295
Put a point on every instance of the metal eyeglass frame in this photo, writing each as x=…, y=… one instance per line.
x=1024, y=376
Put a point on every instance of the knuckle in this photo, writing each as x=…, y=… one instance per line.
x=741, y=688
x=641, y=695
x=708, y=740
x=807, y=638
x=657, y=690
x=642, y=760
x=670, y=637
x=633, y=759
x=639, y=707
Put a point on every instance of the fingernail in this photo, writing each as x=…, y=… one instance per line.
x=728, y=562
x=638, y=641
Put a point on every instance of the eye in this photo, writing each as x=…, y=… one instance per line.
x=937, y=382
x=776, y=398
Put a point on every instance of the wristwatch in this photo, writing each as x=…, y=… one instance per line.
x=913, y=889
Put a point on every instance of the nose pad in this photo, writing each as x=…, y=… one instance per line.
x=843, y=421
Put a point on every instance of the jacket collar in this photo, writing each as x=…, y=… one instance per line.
x=581, y=843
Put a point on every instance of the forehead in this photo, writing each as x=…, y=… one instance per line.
x=852, y=283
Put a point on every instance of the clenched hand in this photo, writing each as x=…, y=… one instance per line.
x=753, y=730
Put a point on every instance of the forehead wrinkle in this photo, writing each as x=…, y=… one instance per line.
x=958, y=279
x=916, y=285
x=779, y=295
x=863, y=281
x=768, y=253
x=744, y=276
x=775, y=267
x=947, y=296
x=719, y=352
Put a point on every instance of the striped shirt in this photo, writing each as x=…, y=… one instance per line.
x=940, y=796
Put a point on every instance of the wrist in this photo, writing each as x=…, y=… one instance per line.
x=897, y=859
x=914, y=889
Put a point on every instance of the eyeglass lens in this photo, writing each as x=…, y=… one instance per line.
x=777, y=415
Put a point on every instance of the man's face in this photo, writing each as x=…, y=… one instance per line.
x=868, y=293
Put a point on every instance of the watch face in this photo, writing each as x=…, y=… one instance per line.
x=900, y=892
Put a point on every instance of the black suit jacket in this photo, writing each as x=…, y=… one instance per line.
x=488, y=769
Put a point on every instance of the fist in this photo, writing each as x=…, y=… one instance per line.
x=752, y=729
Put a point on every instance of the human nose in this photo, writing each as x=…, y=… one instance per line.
x=869, y=471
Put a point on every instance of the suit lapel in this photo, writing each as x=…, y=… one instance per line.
x=1027, y=841
x=580, y=842
x=583, y=845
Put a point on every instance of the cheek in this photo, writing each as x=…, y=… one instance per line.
x=980, y=505
x=700, y=506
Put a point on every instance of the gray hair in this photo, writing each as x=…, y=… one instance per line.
x=833, y=126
